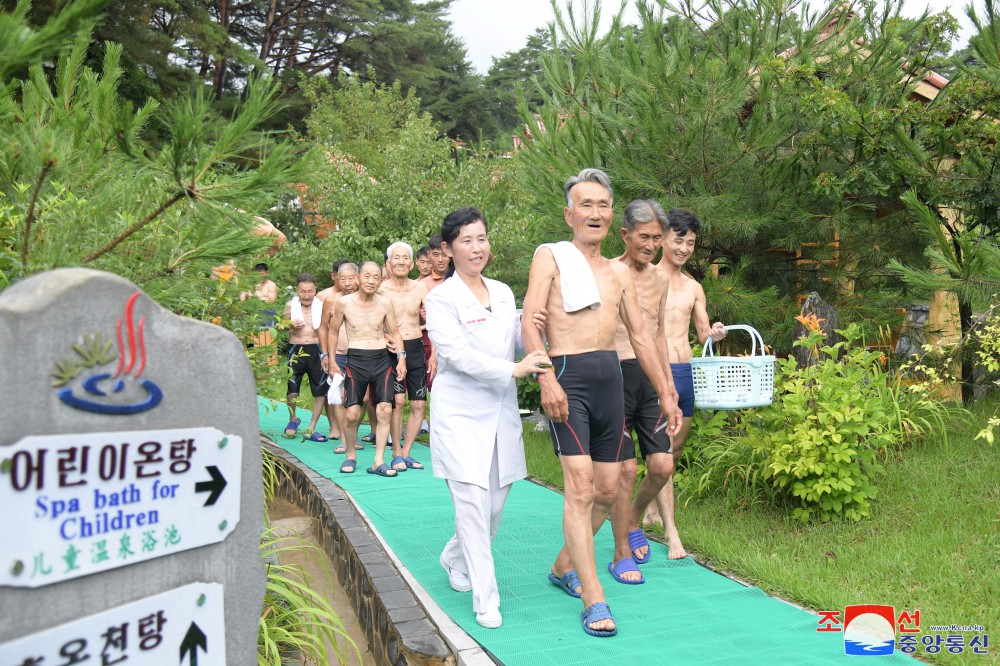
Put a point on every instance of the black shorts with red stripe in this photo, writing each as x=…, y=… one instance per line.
x=642, y=410
x=367, y=368
x=596, y=424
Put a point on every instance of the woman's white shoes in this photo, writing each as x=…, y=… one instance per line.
x=459, y=581
x=490, y=619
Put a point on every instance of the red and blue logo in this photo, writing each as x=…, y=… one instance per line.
x=869, y=630
x=103, y=391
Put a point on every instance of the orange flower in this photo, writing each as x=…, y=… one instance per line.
x=810, y=322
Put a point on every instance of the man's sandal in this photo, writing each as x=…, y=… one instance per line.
x=567, y=583
x=637, y=539
x=293, y=426
x=595, y=613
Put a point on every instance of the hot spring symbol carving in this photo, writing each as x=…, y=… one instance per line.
x=115, y=393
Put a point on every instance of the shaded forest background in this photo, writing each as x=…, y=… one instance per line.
x=147, y=138
x=170, y=48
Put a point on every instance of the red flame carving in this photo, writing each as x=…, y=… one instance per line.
x=128, y=320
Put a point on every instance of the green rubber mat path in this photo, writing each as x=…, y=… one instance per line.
x=683, y=614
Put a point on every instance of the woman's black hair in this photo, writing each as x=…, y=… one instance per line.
x=452, y=226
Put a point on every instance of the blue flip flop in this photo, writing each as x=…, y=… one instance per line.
x=595, y=612
x=382, y=470
x=347, y=467
x=396, y=461
x=293, y=425
x=637, y=539
x=316, y=437
x=566, y=583
x=623, y=565
x=412, y=464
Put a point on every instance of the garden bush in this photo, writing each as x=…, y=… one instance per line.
x=820, y=446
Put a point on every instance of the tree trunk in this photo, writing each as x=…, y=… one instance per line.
x=968, y=363
x=219, y=79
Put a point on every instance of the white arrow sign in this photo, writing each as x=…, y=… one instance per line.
x=84, y=504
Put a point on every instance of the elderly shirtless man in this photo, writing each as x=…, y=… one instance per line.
x=366, y=316
x=304, y=352
x=334, y=343
x=583, y=395
x=643, y=227
x=407, y=297
x=686, y=302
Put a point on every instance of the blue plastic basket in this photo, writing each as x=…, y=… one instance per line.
x=733, y=382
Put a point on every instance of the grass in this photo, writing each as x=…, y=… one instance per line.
x=931, y=544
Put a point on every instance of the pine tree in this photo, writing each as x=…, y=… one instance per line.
x=954, y=166
x=767, y=121
x=82, y=186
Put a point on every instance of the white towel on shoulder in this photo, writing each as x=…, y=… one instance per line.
x=576, y=279
x=317, y=311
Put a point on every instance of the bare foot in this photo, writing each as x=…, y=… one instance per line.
x=676, y=548
x=652, y=518
x=602, y=625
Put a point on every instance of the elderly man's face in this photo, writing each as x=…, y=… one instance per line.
x=347, y=280
x=589, y=213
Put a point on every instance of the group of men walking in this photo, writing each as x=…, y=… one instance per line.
x=617, y=332
x=362, y=339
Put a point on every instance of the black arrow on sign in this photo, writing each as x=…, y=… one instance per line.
x=194, y=639
x=216, y=485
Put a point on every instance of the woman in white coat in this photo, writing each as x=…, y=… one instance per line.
x=475, y=438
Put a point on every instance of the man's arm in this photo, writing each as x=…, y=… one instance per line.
x=645, y=352
x=660, y=339
x=336, y=321
x=397, y=339
x=540, y=278
x=325, y=345
x=432, y=363
x=700, y=315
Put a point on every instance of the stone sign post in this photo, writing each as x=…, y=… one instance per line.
x=130, y=480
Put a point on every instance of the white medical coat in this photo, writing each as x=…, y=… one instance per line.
x=474, y=403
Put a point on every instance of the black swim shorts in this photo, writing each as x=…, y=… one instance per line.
x=304, y=359
x=415, y=384
x=642, y=410
x=367, y=368
x=596, y=424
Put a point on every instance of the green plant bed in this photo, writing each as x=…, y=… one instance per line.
x=931, y=543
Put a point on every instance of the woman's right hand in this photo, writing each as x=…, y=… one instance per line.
x=537, y=363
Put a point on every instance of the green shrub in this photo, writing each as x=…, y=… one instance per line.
x=819, y=445
x=988, y=354
x=529, y=394
x=720, y=458
x=831, y=421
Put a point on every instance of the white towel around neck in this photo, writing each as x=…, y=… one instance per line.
x=576, y=279
x=317, y=312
